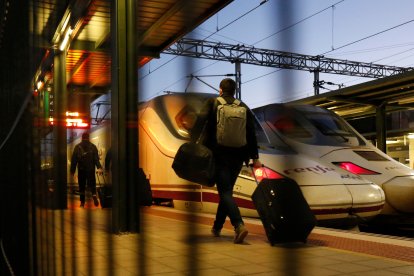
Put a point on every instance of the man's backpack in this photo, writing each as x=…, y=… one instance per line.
x=231, y=123
x=85, y=158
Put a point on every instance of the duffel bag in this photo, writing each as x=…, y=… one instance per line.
x=194, y=162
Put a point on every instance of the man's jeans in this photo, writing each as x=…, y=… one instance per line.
x=86, y=178
x=227, y=170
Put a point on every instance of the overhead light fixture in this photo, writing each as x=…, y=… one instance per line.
x=390, y=142
x=355, y=110
x=39, y=84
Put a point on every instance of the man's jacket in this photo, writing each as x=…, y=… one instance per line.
x=85, y=156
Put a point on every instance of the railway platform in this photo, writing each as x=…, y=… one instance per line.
x=174, y=242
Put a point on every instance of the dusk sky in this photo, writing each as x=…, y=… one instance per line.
x=377, y=31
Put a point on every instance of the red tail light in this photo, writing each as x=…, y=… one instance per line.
x=264, y=172
x=353, y=168
x=259, y=173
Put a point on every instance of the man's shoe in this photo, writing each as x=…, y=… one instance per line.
x=241, y=233
x=95, y=200
x=215, y=232
x=82, y=204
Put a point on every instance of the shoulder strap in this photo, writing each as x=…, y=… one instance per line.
x=221, y=100
x=81, y=150
x=236, y=102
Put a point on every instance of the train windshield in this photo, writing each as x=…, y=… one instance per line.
x=330, y=124
x=312, y=125
x=270, y=140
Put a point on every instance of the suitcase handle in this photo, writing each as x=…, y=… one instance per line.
x=99, y=180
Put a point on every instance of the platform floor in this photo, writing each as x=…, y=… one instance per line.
x=78, y=242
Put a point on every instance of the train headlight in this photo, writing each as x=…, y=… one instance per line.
x=355, y=169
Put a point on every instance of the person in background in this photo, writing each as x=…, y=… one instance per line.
x=85, y=157
x=228, y=160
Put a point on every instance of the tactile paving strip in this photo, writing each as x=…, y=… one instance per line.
x=387, y=250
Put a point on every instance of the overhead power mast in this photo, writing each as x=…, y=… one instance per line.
x=278, y=59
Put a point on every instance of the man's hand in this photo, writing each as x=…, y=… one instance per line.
x=99, y=171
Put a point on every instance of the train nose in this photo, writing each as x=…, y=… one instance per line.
x=336, y=201
x=367, y=200
x=328, y=201
x=400, y=193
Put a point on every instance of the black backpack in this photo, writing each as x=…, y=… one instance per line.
x=85, y=158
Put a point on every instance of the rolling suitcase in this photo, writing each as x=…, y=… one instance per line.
x=144, y=189
x=104, y=192
x=283, y=210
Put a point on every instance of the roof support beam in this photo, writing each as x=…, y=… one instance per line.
x=278, y=59
x=172, y=11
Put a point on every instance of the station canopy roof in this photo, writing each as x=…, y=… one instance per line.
x=159, y=23
x=361, y=100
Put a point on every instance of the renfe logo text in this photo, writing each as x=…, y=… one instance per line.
x=318, y=169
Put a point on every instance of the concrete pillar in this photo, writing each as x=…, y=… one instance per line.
x=411, y=152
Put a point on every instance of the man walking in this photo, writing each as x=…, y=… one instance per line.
x=232, y=141
x=85, y=157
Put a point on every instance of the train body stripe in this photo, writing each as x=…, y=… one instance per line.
x=198, y=196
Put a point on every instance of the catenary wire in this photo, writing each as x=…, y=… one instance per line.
x=296, y=23
x=284, y=29
x=6, y=259
x=16, y=121
x=217, y=30
x=345, y=45
x=370, y=36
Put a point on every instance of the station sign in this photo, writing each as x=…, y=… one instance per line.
x=73, y=120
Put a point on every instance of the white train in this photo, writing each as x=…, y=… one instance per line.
x=334, y=195
x=322, y=134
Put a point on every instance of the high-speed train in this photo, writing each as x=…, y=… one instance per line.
x=322, y=134
x=335, y=195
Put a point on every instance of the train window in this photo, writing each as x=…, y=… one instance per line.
x=371, y=155
x=329, y=125
x=180, y=111
x=291, y=127
x=185, y=121
x=282, y=119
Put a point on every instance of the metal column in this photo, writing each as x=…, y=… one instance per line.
x=59, y=131
x=380, y=122
x=125, y=207
x=238, y=79
x=316, y=83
